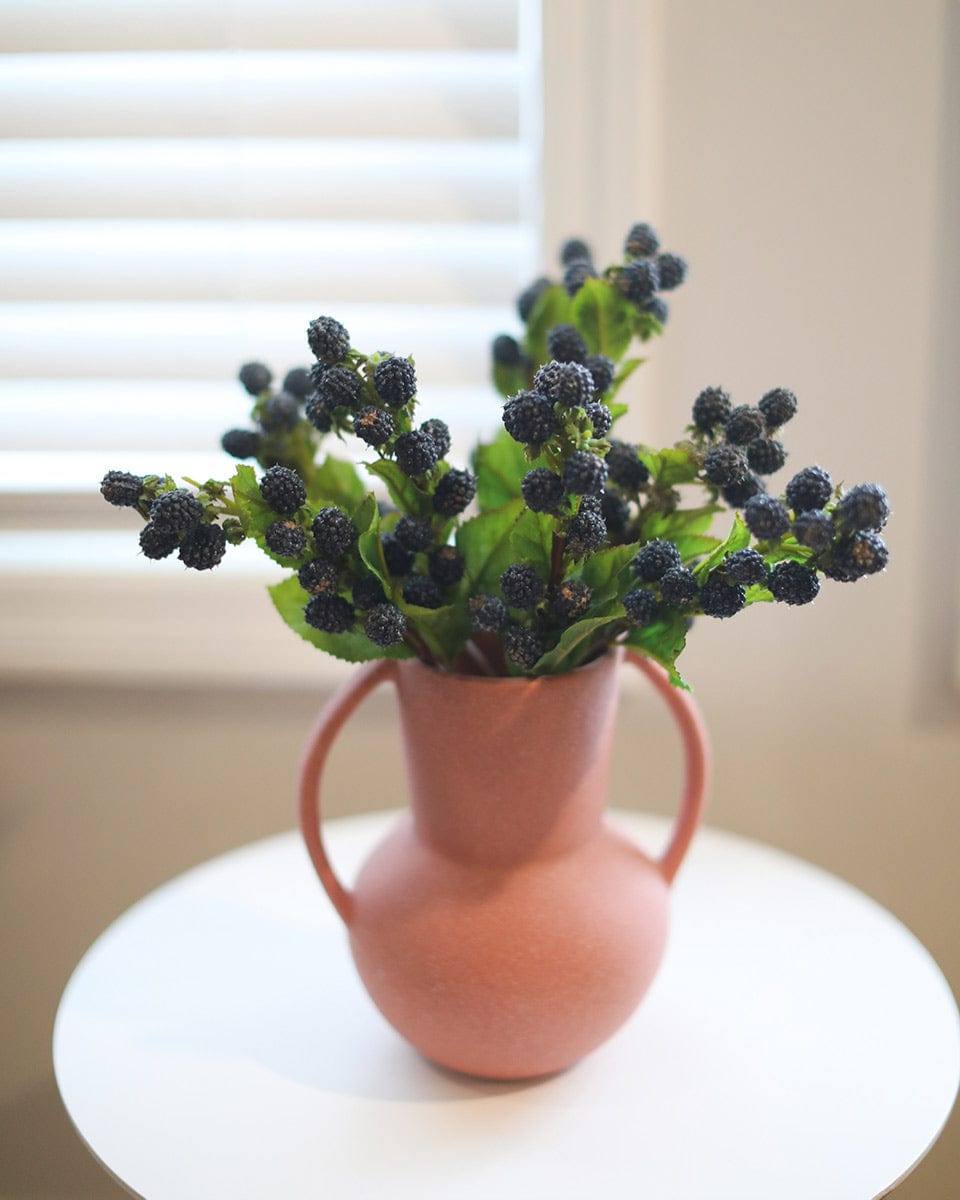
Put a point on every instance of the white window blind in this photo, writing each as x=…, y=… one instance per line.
x=183, y=185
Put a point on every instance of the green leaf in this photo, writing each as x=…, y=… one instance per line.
x=553, y=308
x=499, y=466
x=445, y=630
x=601, y=571
x=336, y=482
x=618, y=410
x=646, y=325
x=256, y=516
x=605, y=318
x=678, y=464
x=663, y=641
x=681, y=521
x=531, y=541
x=695, y=545
x=485, y=543
x=758, y=594
x=737, y=539
x=509, y=380
x=403, y=490
x=786, y=549
x=575, y=643
x=290, y=600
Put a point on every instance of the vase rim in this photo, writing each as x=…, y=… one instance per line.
x=611, y=655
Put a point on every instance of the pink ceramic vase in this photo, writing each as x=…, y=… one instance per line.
x=504, y=927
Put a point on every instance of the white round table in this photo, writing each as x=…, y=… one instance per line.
x=798, y=1042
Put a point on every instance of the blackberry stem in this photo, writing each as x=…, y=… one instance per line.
x=416, y=642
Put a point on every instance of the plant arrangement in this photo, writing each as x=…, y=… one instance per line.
x=560, y=540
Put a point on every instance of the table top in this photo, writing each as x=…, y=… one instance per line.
x=216, y=1042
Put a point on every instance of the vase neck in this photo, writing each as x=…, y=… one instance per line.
x=502, y=770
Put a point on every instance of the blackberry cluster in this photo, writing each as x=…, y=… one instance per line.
x=542, y=490
x=256, y=377
x=328, y=340
x=385, y=625
x=283, y=490
x=528, y=418
x=522, y=587
x=720, y=596
x=584, y=474
x=565, y=344
x=641, y=606
x=570, y=601
x=446, y=565
x=368, y=593
x=177, y=511
x=438, y=431
x=319, y=577
x=334, y=534
x=487, y=614
x=241, y=443
x=793, y=583
x=203, y=547
x=285, y=539
x=329, y=614
x=568, y=384
x=625, y=468
x=586, y=533
x=603, y=370
x=422, y=591
x=395, y=381
x=655, y=559
x=398, y=559
x=279, y=413
x=522, y=647
x=454, y=492
x=413, y=533
x=373, y=425
x=416, y=453
x=121, y=489
x=678, y=587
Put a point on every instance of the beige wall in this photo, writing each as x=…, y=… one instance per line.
x=799, y=165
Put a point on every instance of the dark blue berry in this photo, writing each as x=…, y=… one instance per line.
x=584, y=474
x=398, y=558
x=333, y=533
x=454, y=492
x=658, y=308
x=639, y=279
x=864, y=507
x=586, y=533
x=725, y=464
x=367, y=592
x=778, y=406
x=614, y=510
x=809, y=489
x=422, y=591
x=446, y=565
x=319, y=577
x=203, y=547
x=739, y=492
x=121, y=489
x=542, y=490
x=576, y=275
x=529, y=297
x=641, y=606
x=528, y=418
x=176, y=512
x=743, y=425
x=625, y=468
x=279, y=413
x=319, y=412
x=395, y=381
x=641, y=241
x=673, y=271
x=678, y=587
x=859, y=554
x=158, y=543
x=814, y=529
x=570, y=601
x=241, y=443
x=506, y=351
x=285, y=539
x=793, y=583
x=283, y=490
x=655, y=559
x=719, y=597
x=602, y=369
x=340, y=387
x=373, y=425
x=328, y=340
x=385, y=625
x=522, y=587
x=568, y=384
x=413, y=533
x=600, y=417
x=766, y=517
x=765, y=455
x=487, y=613
x=522, y=647
x=298, y=382
x=256, y=377
x=565, y=344
x=711, y=408
x=574, y=249
x=331, y=614
x=416, y=453
x=437, y=429
x=746, y=567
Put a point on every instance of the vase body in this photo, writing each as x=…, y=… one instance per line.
x=503, y=927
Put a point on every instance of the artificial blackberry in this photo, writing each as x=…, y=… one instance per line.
x=615, y=511
x=778, y=407
x=565, y=344
x=385, y=625
x=814, y=529
x=809, y=489
x=766, y=517
x=285, y=539
x=121, y=489
x=340, y=387
x=569, y=384
x=373, y=425
x=398, y=558
x=416, y=453
x=331, y=614
x=739, y=492
x=203, y=547
x=438, y=430
x=367, y=592
x=678, y=587
x=298, y=382
x=454, y=492
x=446, y=565
x=602, y=369
x=864, y=507
x=279, y=413
x=328, y=340
x=283, y=490
x=422, y=591
x=570, y=601
x=641, y=241
x=673, y=271
x=542, y=490
x=318, y=577
x=487, y=613
x=395, y=381
x=586, y=532
x=522, y=647
x=766, y=455
x=711, y=408
x=859, y=554
x=641, y=606
x=725, y=464
x=506, y=351
x=334, y=534
x=574, y=249
x=176, y=512
x=639, y=279
x=157, y=543
x=413, y=533
x=528, y=418
x=743, y=425
x=719, y=597
x=657, y=307
x=241, y=443
x=256, y=377
x=319, y=412
x=655, y=559
x=529, y=297
x=600, y=417
x=793, y=583
x=576, y=275
x=584, y=474
x=745, y=567
x=625, y=468
x=522, y=587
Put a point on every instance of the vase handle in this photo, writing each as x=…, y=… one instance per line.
x=696, y=749
x=321, y=739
